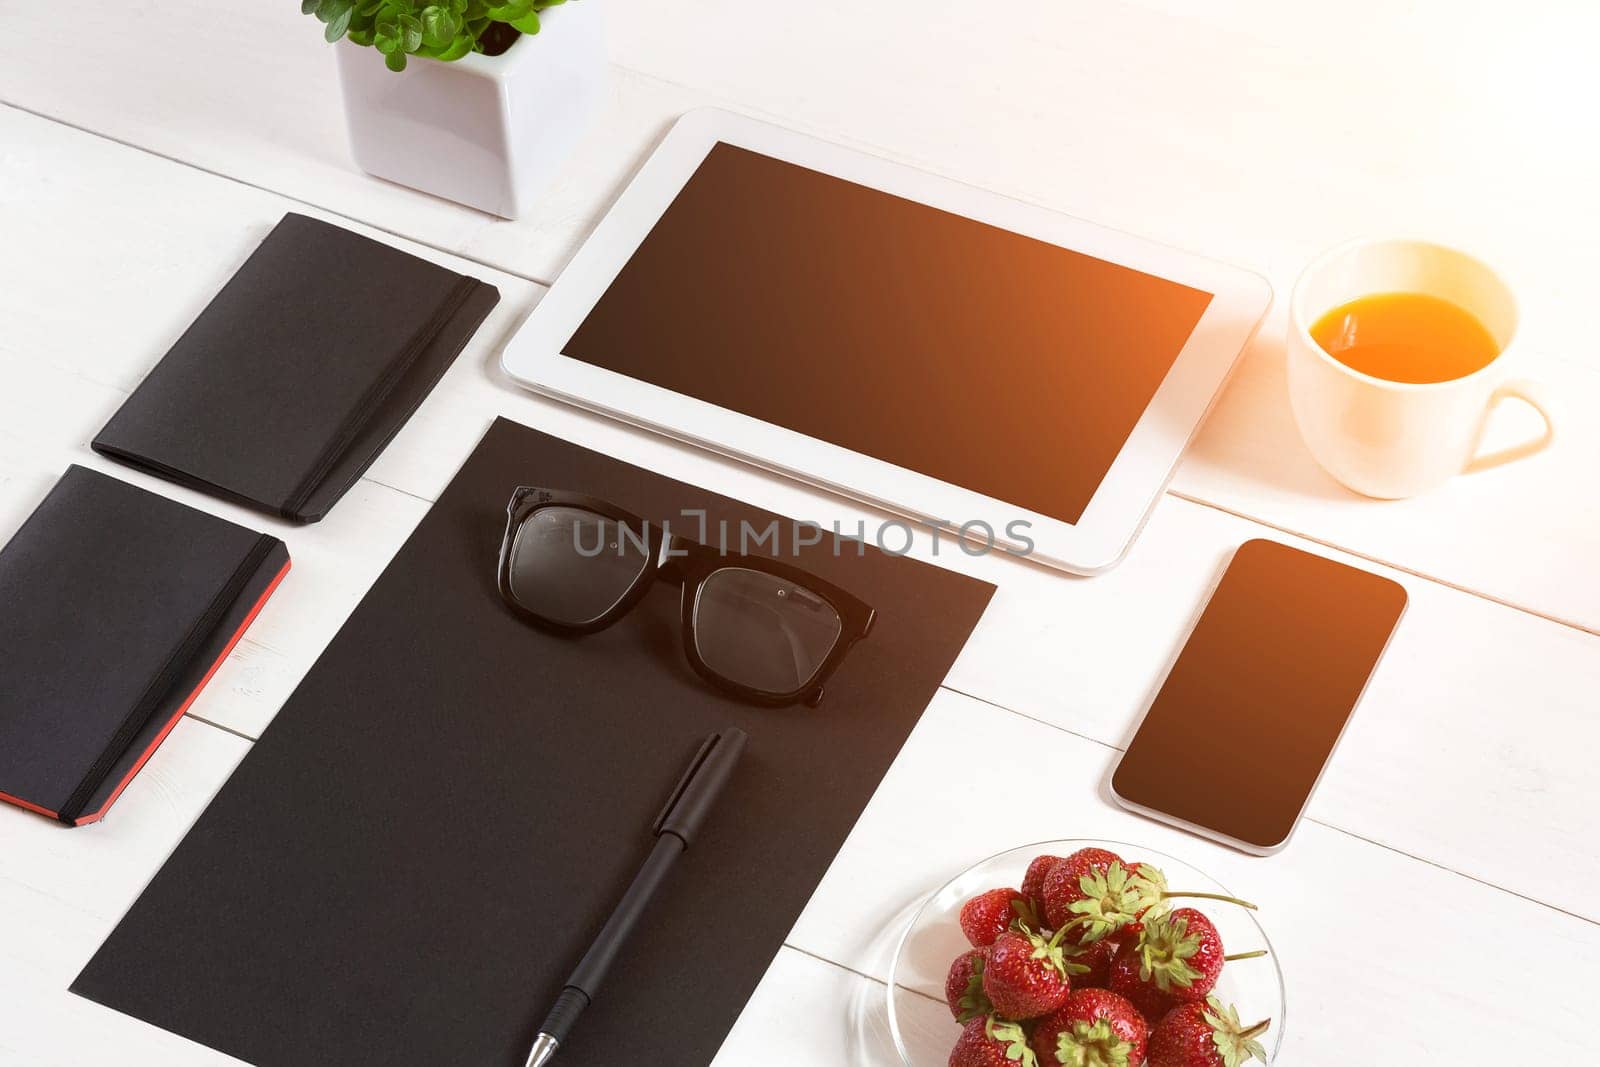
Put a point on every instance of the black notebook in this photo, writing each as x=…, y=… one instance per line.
x=299, y=371
x=118, y=606
x=412, y=859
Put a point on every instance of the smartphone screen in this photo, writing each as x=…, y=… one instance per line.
x=1241, y=729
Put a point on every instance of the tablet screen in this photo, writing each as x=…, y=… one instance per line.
x=995, y=362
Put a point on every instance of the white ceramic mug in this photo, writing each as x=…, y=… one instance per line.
x=1396, y=439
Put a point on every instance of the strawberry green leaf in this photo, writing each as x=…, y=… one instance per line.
x=1093, y=1044
x=1164, y=947
x=1052, y=952
x=1235, y=1043
x=974, y=1001
x=1112, y=900
x=1016, y=1041
x=1027, y=915
x=1154, y=881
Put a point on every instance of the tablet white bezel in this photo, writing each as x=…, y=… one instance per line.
x=1130, y=488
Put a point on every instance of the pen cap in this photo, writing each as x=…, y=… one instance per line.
x=697, y=791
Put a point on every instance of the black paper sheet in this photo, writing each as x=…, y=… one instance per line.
x=409, y=863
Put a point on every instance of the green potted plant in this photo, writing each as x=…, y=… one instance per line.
x=472, y=100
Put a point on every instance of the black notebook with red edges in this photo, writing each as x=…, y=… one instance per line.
x=300, y=370
x=119, y=604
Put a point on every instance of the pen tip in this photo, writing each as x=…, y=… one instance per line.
x=543, y=1049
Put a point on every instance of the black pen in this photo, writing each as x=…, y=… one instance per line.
x=674, y=829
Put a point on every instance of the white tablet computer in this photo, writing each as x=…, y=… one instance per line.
x=1025, y=378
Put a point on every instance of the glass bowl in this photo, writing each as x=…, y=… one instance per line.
x=919, y=1020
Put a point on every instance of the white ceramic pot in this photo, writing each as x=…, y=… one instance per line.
x=485, y=131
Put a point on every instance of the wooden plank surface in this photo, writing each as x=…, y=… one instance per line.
x=1388, y=960
x=1235, y=129
x=1080, y=654
x=61, y=892
x=1470, y=753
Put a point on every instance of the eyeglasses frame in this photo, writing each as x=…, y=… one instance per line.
x=691, y=563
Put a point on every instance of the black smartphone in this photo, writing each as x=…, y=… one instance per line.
x=1239, y=732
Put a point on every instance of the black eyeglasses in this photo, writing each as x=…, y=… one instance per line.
x=756, y=627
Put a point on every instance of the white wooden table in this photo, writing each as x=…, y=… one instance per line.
x=148, y=147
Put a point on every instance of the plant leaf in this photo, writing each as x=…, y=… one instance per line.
x=411, y=32
x=399, y=33
x=510, y=12
x=438, y=29
x=439, y=26
x=341, y=22
x=457, y=48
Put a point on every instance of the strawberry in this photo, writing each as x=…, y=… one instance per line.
x=1177, y=959
x=1094, y=1028
x=1206, y=1035
x=988, y=915
x=1181, y=953
x=1095, y=958
x=1100, y=903
x=1026, y=975
x=1033, y=881
x=963, y=987
x=992, y=1042
x=1061, y=887
x=1124, y=981
x=1129, y=931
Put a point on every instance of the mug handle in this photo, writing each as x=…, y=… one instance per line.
x=1535, y=396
